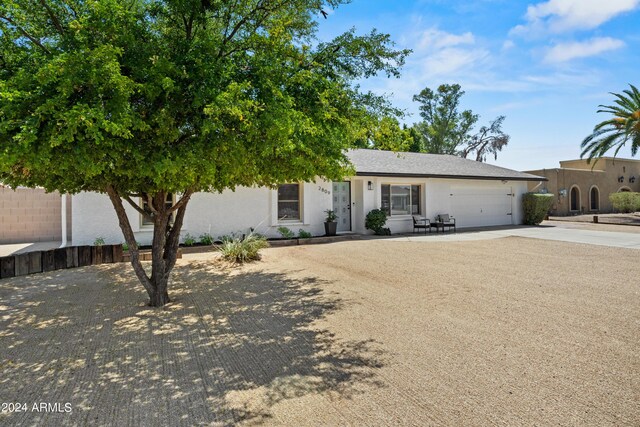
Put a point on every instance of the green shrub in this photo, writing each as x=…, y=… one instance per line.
x=331, y=215
x=241, y=250
x=206, y=239
x=99, y=241
x=625, y=201
x=375, y=220
x=304, y=234
x=189, y=240
x=536, y=206
x=286, y=232
x=225, y=238
x=125, y=246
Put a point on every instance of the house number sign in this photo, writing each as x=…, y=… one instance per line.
x=324, y=190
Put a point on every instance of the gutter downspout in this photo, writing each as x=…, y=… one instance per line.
x=63, y=221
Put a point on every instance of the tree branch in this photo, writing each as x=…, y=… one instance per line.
x=26, y=34
x=130, y=238
x=188, y=26
x=173, y=239
x=183, y=201
x=71, y=8
x=150, y=203
x=136, y=206
x=54, y=19
x=228, y=36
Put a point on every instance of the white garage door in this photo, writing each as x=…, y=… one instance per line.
x=481, y=206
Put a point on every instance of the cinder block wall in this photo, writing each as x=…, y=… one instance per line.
x=30, y=215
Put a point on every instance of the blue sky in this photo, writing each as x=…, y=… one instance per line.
x=545, y=65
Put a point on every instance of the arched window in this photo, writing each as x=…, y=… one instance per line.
x=623, y=189
x=574, y=199
x=594, y=198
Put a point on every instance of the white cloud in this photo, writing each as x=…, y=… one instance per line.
x=440, y=54
x=516, y=105
x=564, y=79
x=508, y=44
x=451, y=60
x=438, y=57
x=531, y=83
x=558, y=16
x=433, y=39
x=564, y=52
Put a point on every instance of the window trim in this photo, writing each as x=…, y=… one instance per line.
x=404, y=184
x=290, y=221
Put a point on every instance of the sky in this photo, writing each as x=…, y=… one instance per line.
x=545, y=65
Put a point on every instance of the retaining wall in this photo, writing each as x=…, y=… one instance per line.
x=58, y=259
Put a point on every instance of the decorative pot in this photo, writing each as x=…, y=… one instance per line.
x=330, y=228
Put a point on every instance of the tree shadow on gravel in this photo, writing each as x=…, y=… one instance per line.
x=231, y=345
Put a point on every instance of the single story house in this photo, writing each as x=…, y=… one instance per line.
x=582, y=187
x=403, y=184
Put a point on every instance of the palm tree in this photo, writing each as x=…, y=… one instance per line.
x=623, y=127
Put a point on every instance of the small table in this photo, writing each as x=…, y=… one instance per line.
x=438, y=225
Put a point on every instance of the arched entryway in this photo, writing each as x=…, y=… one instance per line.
x=574, y=199
x=624, y=190
x=594, y=198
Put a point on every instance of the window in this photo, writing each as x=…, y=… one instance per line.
x=574, y=199
x=289, y=202
x=595, y=199
x=143, y=203
x=401, y=199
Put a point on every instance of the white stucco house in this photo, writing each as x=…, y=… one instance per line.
x=403, y=184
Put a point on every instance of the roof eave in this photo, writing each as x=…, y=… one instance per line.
x=428, y=175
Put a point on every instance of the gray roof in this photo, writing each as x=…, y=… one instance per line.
x=389, y=163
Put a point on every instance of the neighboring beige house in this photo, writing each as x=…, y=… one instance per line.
x=585, y=188
x=32, y=215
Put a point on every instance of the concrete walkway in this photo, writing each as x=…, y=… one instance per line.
x=20, y=248
x=548, y=231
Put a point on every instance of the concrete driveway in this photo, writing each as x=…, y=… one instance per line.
x=504, y=332
x=619, y=236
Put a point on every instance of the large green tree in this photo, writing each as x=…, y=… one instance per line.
x=140, y=99
x=385, y=133
x=446, y=130
x=623, y=126
x=489, y=140
x=443, y=127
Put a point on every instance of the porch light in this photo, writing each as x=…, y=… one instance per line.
x=632, y=179
x=621, y=178
x=370, y=185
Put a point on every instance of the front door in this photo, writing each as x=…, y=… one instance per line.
x=342, y=204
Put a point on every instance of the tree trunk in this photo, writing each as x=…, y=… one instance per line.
x=166, y=238
x=158, y=299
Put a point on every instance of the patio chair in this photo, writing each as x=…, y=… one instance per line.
x=421, y=223
x=444, y=220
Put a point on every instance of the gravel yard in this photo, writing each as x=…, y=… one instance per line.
x=509, y=331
